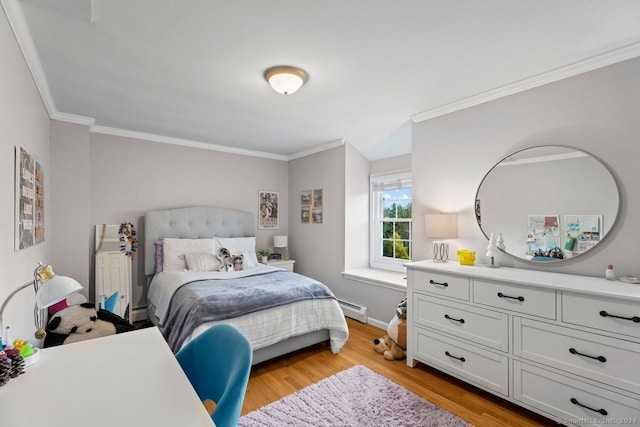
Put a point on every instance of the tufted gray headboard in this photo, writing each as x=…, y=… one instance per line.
x=193, y=223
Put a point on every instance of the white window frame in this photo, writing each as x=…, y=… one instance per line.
x=400, y=178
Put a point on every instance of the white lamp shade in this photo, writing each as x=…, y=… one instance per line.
x=55, y=290
x=280, y=241
x=441, y=226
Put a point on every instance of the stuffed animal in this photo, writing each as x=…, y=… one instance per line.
x=79, y=323
x=401, y=311
x=238, y=262
x=388, y=348
x=226, y=262
x=397, y=331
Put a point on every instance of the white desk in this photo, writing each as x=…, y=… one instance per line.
x=129, y=379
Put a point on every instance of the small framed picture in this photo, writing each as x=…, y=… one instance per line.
x=305, y=214
x=268, y=210
x=316, y=215
x=305, y=198
x=317, y=198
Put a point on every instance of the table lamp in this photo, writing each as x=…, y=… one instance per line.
x=49, y=288
x=441, y=226
x=280, y=244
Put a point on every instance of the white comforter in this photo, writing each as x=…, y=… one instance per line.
x=262, y=328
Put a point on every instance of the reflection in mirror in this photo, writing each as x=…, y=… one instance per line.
x=550, y=203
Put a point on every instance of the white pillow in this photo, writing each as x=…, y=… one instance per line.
x=240, y=245
x=174, y=249
x=201, y=261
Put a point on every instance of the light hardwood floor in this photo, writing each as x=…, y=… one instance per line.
x=282, y=376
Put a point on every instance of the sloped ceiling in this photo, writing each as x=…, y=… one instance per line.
x=191, y=71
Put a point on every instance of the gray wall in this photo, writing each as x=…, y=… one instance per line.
x=112, y=179
x=596, y=112
x=23, y=122
x=319, y=249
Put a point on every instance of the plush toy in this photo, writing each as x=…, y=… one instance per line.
x=226, y=262
x=238, y=262
x=388, y=348
x=79, y=323
x=397, y=331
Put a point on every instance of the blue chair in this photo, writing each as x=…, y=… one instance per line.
x=217, y=363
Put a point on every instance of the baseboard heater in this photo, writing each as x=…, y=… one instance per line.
x=353, y=311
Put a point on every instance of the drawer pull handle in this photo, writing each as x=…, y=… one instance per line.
x=446, y=316
x=599, y=358
x=462, y=359
x=600, y=411
x=501, y=295
x=444, y=284
x=634, y=319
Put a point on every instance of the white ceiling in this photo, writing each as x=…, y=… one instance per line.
x=192, y=70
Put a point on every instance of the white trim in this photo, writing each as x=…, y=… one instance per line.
x=18, y=24
x=382, y=278
x=183, y=142
x=594, y=62
x=73, y=118
x=318, y=149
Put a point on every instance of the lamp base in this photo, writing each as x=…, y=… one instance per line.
x=440, y=252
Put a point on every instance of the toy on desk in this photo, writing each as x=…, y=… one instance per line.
x=25, y=348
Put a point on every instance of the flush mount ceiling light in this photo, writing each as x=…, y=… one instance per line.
x=285, y=79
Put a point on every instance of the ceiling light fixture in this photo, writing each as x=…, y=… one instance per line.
x=285, y=79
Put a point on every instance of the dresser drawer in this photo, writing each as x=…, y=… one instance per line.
x=585, y=310
x=563, y=396
x=596, y=357
x=441, y=284
x=473, y=364
x=522, y=299
x=482, y=326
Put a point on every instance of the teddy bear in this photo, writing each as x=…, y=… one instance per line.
x=389, y=349
x=78, y=323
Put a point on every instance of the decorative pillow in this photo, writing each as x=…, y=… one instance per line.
x=201, y=261
x=240, y=245
x=174, y=249
x=159, y=255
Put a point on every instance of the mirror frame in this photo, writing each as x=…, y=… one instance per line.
x=564, y=254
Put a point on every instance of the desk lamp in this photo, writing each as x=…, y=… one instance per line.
x=49, y=289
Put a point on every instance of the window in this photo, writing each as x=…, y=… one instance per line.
x=390, y=222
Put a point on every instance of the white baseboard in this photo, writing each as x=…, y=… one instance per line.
x=378, y=324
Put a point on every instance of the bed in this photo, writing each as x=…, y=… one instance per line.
x=185, y=303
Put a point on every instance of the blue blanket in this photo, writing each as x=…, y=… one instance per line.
x=207, y=300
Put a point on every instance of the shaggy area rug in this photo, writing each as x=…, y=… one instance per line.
x=355, y=397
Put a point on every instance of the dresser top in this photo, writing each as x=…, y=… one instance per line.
x=560, y=281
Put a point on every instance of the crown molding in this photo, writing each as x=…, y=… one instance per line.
x=592, y=63
x=73, y=118
x=183, y=142
x=18, y=24
x=328, y=146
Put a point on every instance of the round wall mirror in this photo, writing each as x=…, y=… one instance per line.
x=550, y=203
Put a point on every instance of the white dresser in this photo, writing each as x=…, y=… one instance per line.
x=564, y=346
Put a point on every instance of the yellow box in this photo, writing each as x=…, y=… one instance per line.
x=466, y=256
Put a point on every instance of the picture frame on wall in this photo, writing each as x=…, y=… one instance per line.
x=29, y=200
x=306, y=197
x=305, y=214
x=268, y=211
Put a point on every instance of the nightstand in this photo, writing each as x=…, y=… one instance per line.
x=287, y=265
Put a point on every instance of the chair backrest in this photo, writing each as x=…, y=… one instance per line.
x=217, y=363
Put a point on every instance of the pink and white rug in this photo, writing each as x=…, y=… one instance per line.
x=354, y=397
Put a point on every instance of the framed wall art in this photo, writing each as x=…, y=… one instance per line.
x=268, y=216
x=29, y=200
